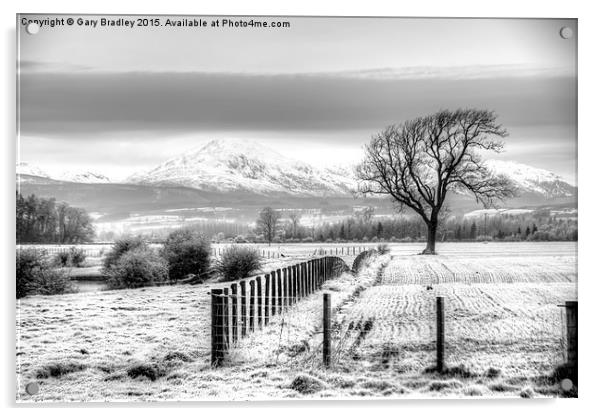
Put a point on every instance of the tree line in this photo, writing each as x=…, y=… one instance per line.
x=44, y=220
x=539, y=225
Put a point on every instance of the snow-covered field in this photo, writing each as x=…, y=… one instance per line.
x=503, y=326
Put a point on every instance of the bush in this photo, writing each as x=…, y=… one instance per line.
x=187, y=251
x=238, y=262
x=29, y=262
x=239, y=239
x=61, y=259
x=77, y=256
x=137, y=268
x=36, y=277
x=52, y=282
x=120, y=247
x=308, y=240
x=383, y=249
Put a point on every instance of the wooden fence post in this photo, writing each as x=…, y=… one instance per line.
x=440, y=334
x=266, y=314
x=274, y=292
x=234, y=298
x=293, y=284
x=251, y=305
x=217, y=325
x=289, y=285
x=279, y=278
x=326, y=330
x=303, y=280
x=259, y=305
x=243, y=308
x=226, y=322
x=284, y=288
x=571, y=338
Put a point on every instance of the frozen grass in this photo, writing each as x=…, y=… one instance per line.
x=502, y=336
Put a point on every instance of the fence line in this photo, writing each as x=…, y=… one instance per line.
x=234, y=315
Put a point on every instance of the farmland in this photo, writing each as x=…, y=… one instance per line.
x=503, y=328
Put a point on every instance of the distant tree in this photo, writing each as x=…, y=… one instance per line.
x=379, y=230
x=342, y=235
x=267, y=223
x=473, y=231
x=534, y=228
x=295, y=218
x=417, y=163
x=527, y=231
x=41, y=220
x=519, y=232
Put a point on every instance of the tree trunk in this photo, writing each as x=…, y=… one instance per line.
x=431, y=238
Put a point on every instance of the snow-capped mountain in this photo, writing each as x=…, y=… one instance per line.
x=83, y=177
x=226, y=165
x=528, y=179
x=24, y=168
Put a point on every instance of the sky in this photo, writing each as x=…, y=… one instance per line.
x=118, y=99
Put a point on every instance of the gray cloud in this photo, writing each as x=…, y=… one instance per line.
x=73, y=104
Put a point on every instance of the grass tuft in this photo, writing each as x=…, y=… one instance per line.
x=440, y=385
x=527, y=393
x=59, y=369
x=150, y=371
x=306, y=384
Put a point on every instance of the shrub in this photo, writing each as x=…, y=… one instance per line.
x=51, y=282
x=61, y=259
x=187, y=251
x=383, y=249
x=238, y=262
x=36, y=277
x=137, y=268
x=77, y=256
x=121, y=247
x=308, y=240
x=239, y=239
x=29, y=262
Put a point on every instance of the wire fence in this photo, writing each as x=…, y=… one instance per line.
x=248, y=305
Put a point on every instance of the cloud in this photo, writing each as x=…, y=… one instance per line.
x=76, y=104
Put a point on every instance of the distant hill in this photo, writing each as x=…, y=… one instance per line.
x=246, y=175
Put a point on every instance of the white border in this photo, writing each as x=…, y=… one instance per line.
x=589, y=154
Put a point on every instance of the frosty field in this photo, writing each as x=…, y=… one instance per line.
x=503, y=333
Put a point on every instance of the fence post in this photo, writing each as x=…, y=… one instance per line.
x=303, y=280
x=234, y=298
x=274, y=292
x=326, y=332
x=243, y=308
x=293, y=283
x=571, y=337
x=217, y=324
x=440, y=334
x=289, y=285
x=259, y=309
x=251, y=305
x=284, y=287
x=266, y=313
x=226, y=317
x=279, y=278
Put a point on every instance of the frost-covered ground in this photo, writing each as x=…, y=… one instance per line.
x=503, y=334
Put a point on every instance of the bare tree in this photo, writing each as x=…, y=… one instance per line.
x=418, y=162
x=295, y=217
x=267, y=223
